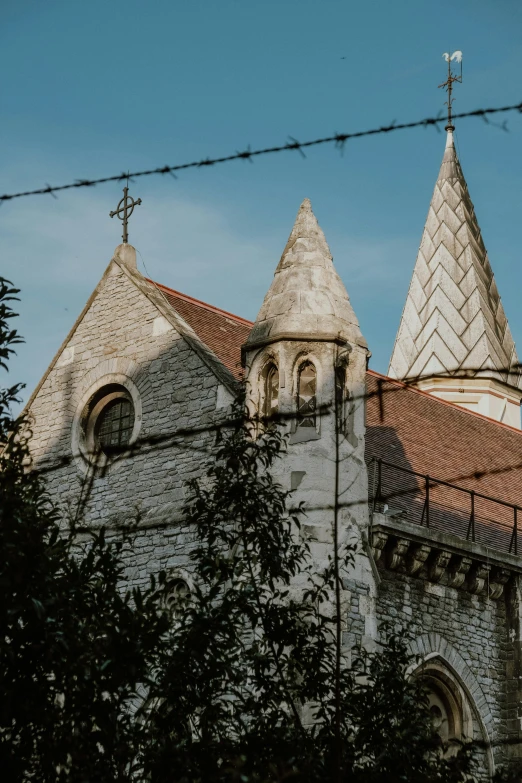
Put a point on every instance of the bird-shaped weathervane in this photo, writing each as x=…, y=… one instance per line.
x=455, y=56
x=448, y=84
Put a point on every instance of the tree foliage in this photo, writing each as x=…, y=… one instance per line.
x=245, y=690
x=99, y=683
x=74, y=647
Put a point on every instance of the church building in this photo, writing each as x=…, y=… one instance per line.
x=423, y=466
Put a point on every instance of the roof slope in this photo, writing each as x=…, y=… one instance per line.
x=222, y=332
x=420, y=432
x=453, y=322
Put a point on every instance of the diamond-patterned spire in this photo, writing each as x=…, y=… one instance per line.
x=453, y=323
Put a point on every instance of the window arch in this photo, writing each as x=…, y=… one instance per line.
x=271, y=395
x=108, y=420
x=177, y=595
x=307, y=395
x=450, y=713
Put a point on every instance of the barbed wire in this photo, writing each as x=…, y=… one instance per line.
x=338, y=139
x=177, y=438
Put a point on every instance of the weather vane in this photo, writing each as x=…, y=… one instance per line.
x=124, y=210
x=457, y=56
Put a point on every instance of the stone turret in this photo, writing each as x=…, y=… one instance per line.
x=305, y=362
x=454, y=340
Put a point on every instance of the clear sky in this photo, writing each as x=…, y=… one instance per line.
x=94, y=88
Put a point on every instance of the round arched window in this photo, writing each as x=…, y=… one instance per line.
x=109, y=419
x=114, y=424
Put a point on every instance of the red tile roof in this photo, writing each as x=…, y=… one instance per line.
x=224, y=333
x=410, y=429
x=419, y=432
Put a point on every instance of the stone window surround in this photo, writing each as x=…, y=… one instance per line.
x=176, y=575
x=443, y=683
x=82, y=440
x=257, y=371
x=301, y=434
x=269, y=366
x=439, y=658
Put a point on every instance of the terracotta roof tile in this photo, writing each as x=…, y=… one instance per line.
x=224, y=333
x=419, y=432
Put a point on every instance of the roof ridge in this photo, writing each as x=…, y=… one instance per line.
x=441, y=401
x=199, y=302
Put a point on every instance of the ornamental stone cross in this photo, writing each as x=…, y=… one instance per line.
x=124, y=210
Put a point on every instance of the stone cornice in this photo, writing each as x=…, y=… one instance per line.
x=441, y=557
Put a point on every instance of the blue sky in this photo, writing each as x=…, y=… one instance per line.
x=90, y=89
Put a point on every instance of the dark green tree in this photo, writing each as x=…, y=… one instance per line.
x=248, y=688
x=241, y=684
x=74, y=647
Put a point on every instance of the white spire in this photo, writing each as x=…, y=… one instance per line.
x=453, y=323
x=307, y=296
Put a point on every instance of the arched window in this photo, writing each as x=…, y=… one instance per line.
x=306, y=395
x=108, y=420
x=340, y=384
x=447, y=709
x=176, y=596
x=114, y=424
x=271, y=390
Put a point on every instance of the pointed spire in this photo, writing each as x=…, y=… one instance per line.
x=453, y=323
x=307, y=296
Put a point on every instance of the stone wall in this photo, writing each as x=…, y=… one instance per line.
x=466, y=634
x=121, y=337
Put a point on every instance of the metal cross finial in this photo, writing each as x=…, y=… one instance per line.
x=124, y=211
x=449, y=82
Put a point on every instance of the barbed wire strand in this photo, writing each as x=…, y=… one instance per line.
x=165, y=440
x=338, y=139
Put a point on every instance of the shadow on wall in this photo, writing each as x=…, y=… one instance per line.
x=151, y=425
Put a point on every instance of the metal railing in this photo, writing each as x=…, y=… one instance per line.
x=439, y=505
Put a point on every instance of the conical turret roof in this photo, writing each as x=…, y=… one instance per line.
x=307, y=296
x=453, y=323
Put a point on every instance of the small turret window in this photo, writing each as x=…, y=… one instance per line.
x=340, y=384
x=307, y=395
x=272, y=391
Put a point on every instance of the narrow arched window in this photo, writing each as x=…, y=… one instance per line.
x=306, y=395
x=271, y=391
x=176, y=597
x=340, y=384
